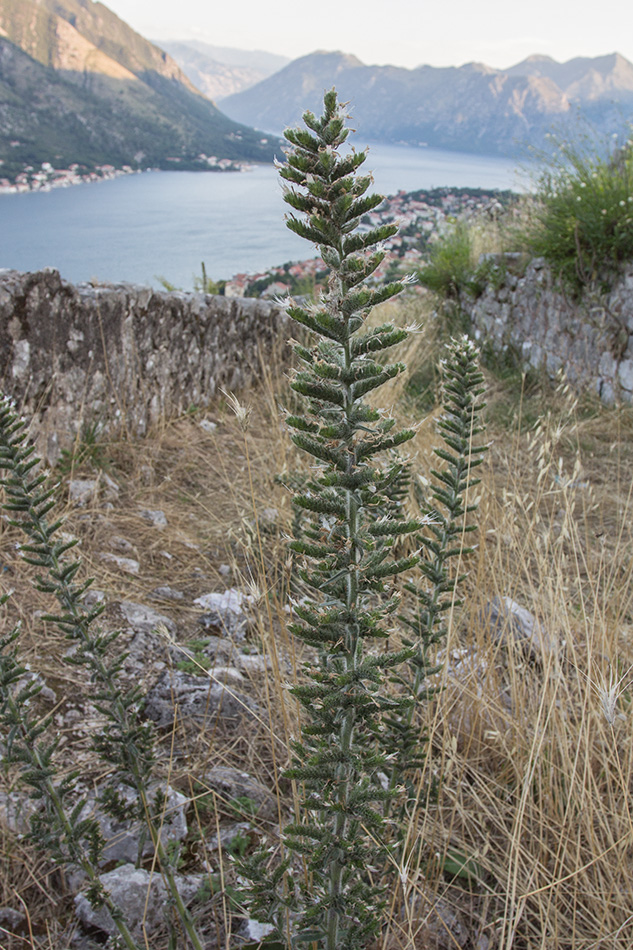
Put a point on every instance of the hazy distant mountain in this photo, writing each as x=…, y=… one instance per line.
x=471, y=108
x=77, y=84
x=219, y=71
x=583, y=79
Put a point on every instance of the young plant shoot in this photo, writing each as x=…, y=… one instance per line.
x=125, y=746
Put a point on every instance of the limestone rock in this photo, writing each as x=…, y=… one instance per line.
x=515, y=625
x=196, y=699
x=253, y=930
x=156, y=517
x=227, y=835
x=82, y=491
x=141, y=897
x=221, y=651
x=268, y=519
x=253, y=663
x=167, y=593
x=625, y=375
x=36, y=679
x=121, y=545
x=145, y=619
x=126, y=564
x=111, y=488
x=442, y=927
x=230, y=784
x=123, y=836
x=11, y=919
x=15, y=811
x=226, y=610
x=93, y=596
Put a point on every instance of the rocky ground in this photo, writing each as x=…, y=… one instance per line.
x=187, y=585
x=183, y=532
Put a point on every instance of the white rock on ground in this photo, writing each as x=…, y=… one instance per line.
x=111, y=489
x=155, y=517
x=145, y=619
x=226, y=610
x=11, y=919
x=81, y=491
x=220, y=650
x=121, y=545
x=510, y=622
x=254, y=930
x=230, y=784
x=227, y=835
x=208, y=425
x=167, y=593
x=195, y=698
x=126, y=564
x=141, y=897
x=123, y=836
x=253, y=663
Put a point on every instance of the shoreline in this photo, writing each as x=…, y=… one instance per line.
x=47, y=178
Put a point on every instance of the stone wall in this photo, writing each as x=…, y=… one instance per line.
x=122, y=355
x=591, y=342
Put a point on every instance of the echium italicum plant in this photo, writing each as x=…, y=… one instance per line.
x=328, y=882
x=445, y=505
x=356, y=734
x=125, y=746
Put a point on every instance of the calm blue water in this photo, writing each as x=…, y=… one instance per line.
x=165, y=223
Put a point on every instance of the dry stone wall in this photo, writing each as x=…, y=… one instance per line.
x=590, y=341
x=122, y=355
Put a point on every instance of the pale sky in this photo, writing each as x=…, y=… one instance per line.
x=400, y=32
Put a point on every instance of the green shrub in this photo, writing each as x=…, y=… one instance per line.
x=451, y=263
x=583, y=221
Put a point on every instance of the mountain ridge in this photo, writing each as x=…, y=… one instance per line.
x=219, y=71
x=473, y=107
x=78, y=85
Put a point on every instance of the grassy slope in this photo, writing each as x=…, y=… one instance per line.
x=531, y=782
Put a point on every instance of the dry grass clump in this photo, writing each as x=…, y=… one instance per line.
x=522, y=839
x=225, y=512
x=531, y=747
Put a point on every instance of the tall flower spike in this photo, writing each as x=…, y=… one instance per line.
x=345, y=549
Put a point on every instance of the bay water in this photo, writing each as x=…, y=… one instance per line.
x=139, y=228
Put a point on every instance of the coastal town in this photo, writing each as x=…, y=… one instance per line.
x=45, y=177
x=420, y=216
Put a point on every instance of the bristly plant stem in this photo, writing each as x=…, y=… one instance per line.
x=443, y=540
x=345, y=553
x=67, y=834
x=127, y=744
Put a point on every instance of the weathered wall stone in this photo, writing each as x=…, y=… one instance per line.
x=120, y=354
x=590, y=341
